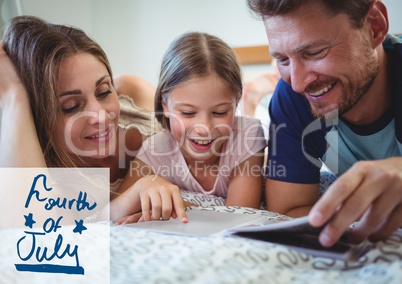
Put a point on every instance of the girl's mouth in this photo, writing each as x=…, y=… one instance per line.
x=201, y=144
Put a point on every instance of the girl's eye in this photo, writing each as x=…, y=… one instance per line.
x=70, y=109
x=187, y=113
x=220, y=114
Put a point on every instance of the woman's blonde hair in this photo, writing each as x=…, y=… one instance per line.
x=37, y=48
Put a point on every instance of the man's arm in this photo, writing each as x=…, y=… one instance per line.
x=292, y=199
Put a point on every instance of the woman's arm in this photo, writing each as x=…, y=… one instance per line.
x=141, y=91
x=19, y=143
x=245, y=187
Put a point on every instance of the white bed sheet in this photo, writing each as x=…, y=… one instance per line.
x=141, y=256
x=150, y=257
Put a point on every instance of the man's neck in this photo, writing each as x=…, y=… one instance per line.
x=378, y=98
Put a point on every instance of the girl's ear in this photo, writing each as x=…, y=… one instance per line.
x=377, y=18
x=165, y=108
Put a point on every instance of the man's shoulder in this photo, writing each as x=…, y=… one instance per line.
x=391, y=42
x=285, y=96
x=287, y=105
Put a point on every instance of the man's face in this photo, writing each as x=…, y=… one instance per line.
x=323, y=57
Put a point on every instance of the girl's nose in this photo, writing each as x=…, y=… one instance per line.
x=201, y=129
x=204, y=125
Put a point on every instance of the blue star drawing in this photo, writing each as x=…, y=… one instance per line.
x=29, y=221
x=79, y=226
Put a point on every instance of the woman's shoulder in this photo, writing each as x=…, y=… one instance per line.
x=133, y=138
x=138, y=89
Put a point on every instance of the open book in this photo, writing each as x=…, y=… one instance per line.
x=298, y=234
x=295, y=233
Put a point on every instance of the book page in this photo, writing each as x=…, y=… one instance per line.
x=200, y=223
x=295, y=233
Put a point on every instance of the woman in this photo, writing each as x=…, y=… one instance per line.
x=60, y=107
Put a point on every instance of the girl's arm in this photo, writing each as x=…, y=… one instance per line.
x=19, y=143
x=245, y=187
x=155, y=196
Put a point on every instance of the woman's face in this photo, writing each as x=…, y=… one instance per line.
x=88, y=106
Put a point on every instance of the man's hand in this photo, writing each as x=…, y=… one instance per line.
x=371, y=192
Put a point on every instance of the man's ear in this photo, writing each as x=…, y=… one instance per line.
x=377, y=19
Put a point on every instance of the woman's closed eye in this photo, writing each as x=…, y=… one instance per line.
x=104, y=94
x=103, y=90
x=70, y=108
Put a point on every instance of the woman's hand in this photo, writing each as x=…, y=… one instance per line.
x=11, y=87
x=20, y=147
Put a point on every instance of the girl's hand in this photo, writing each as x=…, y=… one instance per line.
x=160, y=199
x=134, y=218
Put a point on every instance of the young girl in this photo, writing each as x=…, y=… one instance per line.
x=203, y=147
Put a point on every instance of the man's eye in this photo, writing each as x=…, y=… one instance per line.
x=315, y=53
x=282, y=61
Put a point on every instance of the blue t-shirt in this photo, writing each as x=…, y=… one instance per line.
x=299, y=143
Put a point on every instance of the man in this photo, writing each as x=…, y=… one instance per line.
x=339, y=102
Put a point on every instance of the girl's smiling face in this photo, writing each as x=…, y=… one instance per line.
x=89, y=108
x=201, y=114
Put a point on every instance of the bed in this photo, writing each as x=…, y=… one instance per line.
x=120, y=254
x=143, y=256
